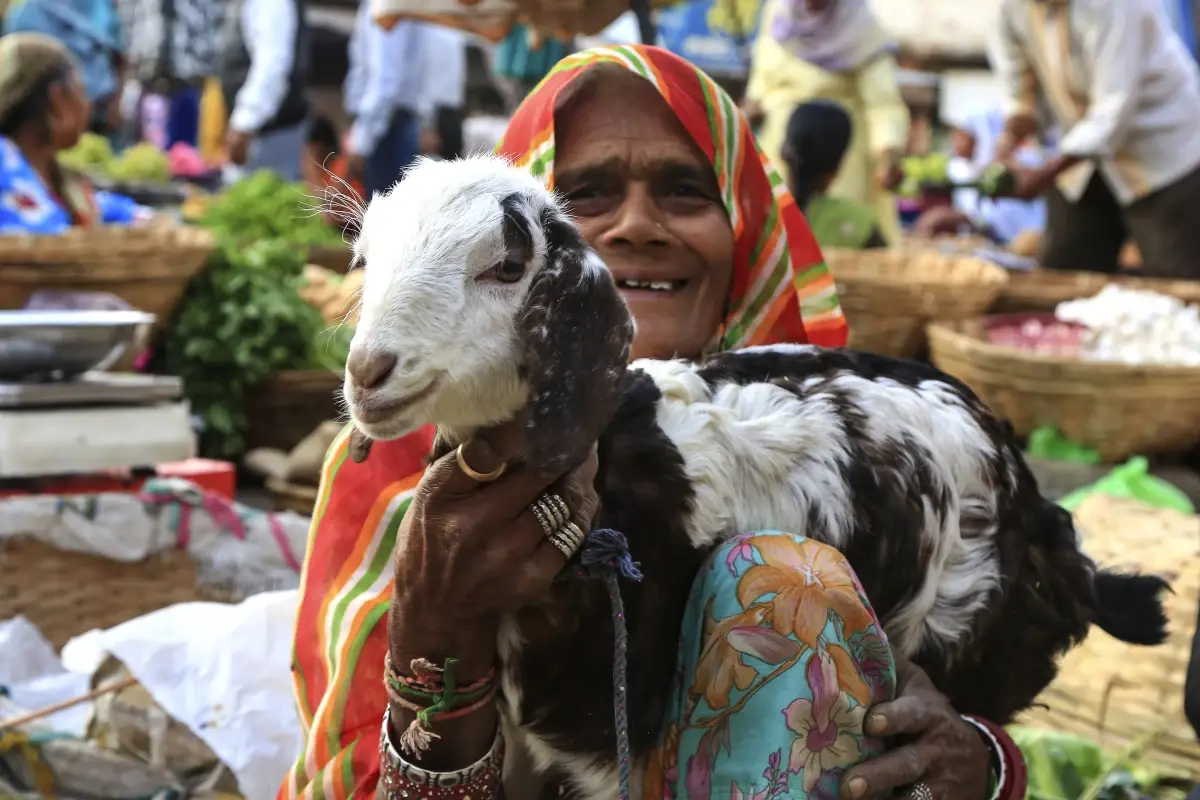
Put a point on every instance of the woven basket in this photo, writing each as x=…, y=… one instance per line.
x=149, y=267
x=287, y=407
x=65, y=593
x=1044, y=289
x=293, y=496
x=1115, y=693
x=1119, y=409
x=889, y=295
x=331, y=257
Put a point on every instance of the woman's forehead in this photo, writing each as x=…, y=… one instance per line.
x=620, y=123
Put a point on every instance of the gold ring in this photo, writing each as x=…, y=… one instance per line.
x=475, y=475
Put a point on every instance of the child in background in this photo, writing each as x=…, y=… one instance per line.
x=818, y=136
x=324, y=167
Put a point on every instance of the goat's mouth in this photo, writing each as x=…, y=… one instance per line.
x=659, y=287
x=373, y=409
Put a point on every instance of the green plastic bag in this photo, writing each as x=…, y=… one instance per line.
x=1048, y=444
x=1133, y=480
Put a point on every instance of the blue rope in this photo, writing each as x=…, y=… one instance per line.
x=605, y=554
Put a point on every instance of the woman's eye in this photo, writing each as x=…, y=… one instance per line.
x=685, y=190
x=507, y=271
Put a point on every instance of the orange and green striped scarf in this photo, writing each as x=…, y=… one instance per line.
x=782, y=292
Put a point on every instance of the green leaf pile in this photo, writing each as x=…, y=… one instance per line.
x=242, y=319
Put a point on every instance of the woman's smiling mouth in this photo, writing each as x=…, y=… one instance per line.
x=651, y=286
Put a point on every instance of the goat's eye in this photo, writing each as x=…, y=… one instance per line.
x=507, y=271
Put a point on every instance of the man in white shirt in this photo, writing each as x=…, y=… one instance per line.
x=1127, y=95
x=264, y=73
x=384, y=93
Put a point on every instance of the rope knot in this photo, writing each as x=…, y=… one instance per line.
x=607, y=548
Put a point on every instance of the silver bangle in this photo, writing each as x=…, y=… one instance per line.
x=396, y=770
x=997, y=755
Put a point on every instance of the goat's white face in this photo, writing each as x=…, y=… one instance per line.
x=477, y=289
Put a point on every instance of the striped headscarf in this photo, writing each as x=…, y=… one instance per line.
x=782, y=292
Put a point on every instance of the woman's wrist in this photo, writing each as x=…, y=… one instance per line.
x=1008, y=765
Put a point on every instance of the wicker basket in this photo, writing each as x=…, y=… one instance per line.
x=149, y=267
x=293, y=496
x=289, y=406
x=1115, y=693
x=889, y=295
x=331, y=257
x=1118, y=409
x=66, y=593
x=1044, y=289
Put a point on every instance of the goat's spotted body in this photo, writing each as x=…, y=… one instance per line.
x=975, y=575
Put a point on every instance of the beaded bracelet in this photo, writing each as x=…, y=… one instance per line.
x=482, y=780
x=1007, y=761
x=432, y=693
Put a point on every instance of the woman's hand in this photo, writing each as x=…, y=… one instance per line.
x=933, y=745
x=887, y=171
x=574, y=17
x=469, y=552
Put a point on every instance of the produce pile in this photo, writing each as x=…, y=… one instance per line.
x=1134, y=326
x=141, y=163
x=933, y=171
x=333, y=294
x=243, y=318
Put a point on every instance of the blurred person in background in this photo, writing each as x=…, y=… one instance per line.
x=973, y=144
x=323, y=164
x=833, y=50
x=524, y=58
x=384, y=94
x=1126, y=94
x=91, y=31
x=818, y=136
x=264, y=65
x=445, y=94
x=44, y=109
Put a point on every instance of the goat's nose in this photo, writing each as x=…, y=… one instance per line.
x=370, y=368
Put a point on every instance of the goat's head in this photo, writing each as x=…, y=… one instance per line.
x=481, y=299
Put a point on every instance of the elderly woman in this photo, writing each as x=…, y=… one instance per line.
x=834, y=50
x=43, y=111
x=656, y=164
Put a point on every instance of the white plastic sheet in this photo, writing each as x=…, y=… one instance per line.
x=224, y=671
x=35, y=679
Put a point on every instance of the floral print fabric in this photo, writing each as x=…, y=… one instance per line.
x=780, y=657
x=27, y=206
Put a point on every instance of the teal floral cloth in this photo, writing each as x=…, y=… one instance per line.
x=780, y=657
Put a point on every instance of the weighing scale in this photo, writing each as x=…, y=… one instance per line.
x=97, y=422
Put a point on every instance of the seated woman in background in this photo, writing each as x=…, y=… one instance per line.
x=818, y=136
x=43, y=111
x=1001, y=219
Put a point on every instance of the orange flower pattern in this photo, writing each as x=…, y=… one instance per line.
x=780, y=657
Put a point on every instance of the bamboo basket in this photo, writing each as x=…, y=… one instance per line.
x=1115, y=693
x=147, y=267
x=66, y=593
x=287, y=407
x=293, y=496
x=1121, y=410
x=1043, y=289
x=889, y=295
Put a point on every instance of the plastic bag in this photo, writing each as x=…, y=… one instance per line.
x=1133, y=480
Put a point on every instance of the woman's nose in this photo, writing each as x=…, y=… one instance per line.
x=638, y=221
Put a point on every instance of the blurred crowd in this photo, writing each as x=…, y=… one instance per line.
x=1095, y=127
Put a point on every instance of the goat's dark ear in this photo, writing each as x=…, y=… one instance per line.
x=518, y=238
x=359, y=447
x=577, y=333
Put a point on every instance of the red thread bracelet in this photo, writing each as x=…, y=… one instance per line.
x=1012, y=778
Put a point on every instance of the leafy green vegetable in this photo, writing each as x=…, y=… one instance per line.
x=1066, y=767
x=264, y=206
x=242, y=319
x=240, y=322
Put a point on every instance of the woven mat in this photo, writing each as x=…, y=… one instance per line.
x=1115, y=693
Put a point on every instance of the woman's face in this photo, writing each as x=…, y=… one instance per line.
x=70, y=112
x=647, y=200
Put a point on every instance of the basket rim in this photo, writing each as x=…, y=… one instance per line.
x=953, y=334
x=984, y=273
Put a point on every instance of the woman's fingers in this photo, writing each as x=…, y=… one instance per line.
x=488, y=451
x=907, y=715
x=881, y=776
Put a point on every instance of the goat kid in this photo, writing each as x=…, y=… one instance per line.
x=483, y=302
